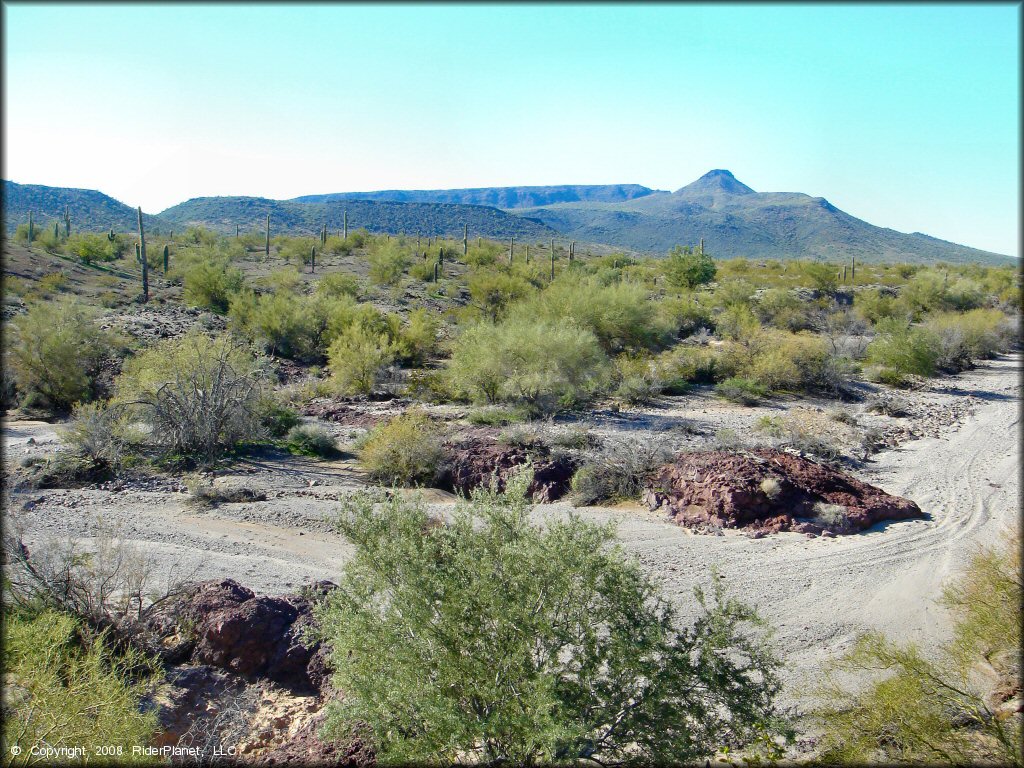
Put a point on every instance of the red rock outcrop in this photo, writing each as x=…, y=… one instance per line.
x=225, y=625
x=472, y=464
x=769, y=490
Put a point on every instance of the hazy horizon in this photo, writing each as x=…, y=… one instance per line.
x=904, y=116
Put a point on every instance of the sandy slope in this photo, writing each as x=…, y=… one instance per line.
x=819, y=593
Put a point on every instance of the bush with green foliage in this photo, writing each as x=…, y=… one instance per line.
x=199, y=396
x=356, y=359
x=417, y=340
x=742, y=391
x=335, y=285
x=491, y=639
x=55, y=351
x=902, y=348
x=620, y=315
x=404, y=451
x=64, y=688
x=688, y=268
x=209, y=283
x=90, y=248
x=388, y=262
x=311, y=440
x=937, y=709
x=546, y=365
x=968, y=336
x=491, y=291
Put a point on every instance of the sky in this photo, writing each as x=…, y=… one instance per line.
x=907, y=116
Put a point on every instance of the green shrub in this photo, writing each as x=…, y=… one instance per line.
x=283, y=323
x=285, y=280
x=543, y=364
x=356, y=359
x=485, y=254
x=404, y=451
x=388, y=262
x=636, y=379
x=210, y=284
x=64, y=689
x=422, y=270
x=311, y=440
x=199, y=396
x=904, y=349
x=691, y=365
x=90, y=248
x=621, y=316
x=338, y=284
x=492, y=291
x=874, y=305
x=685, y=314
x=418, y=339
x=933, y=709
x=55, y=353
x=533, y=640
x=742, y=391
x=687, y=268
x=821, y=277
x=962, y=338
x=277, y=419
x=338, y=246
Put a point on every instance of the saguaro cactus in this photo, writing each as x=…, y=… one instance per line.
x=312, y=258
x=344, y=218
x=511, y=249
x=437, y=270
x=56, y=231
x=700, y=248
x=552, y=259
x=465, y=240
x=110, y=235
x=167, y=257
x=853, y=270
x=527, y=253
x=236, y=231
x=267, y=249
x=440, y=255
x=31, y=228
x=67, y=222
x=572, y=250
x=142, y=258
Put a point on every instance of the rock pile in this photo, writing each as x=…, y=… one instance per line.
x=768, y=490
x=473, y=463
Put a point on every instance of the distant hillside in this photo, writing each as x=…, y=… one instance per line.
x=90, y=210
x=432, y=219
x=734, y=220
x=498, y=197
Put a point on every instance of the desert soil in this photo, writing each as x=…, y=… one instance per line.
x=819, y=593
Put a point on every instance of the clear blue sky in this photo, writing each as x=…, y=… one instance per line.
x=904, y=115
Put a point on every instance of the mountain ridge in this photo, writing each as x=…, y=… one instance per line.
x=732, y=218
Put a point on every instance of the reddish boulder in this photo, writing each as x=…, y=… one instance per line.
x=222, y=624
x=473, y=463
x=769, y=490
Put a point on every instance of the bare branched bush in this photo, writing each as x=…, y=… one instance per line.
x=198, y=396
x=107, y=580
x=618, y=472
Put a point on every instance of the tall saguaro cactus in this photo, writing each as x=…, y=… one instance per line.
x=167, y=257
x=345, y=225
x=236, y=231
x=572, y=250
x=465, y=240
x=31, y=228
x=267, y=248
x=527, y=253
x=853, y=270
x=67, y=222
x=312, y=258
x=142, y=257
x=511, y=249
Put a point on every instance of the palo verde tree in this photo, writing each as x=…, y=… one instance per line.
x=491, y=639
x=688, y=268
